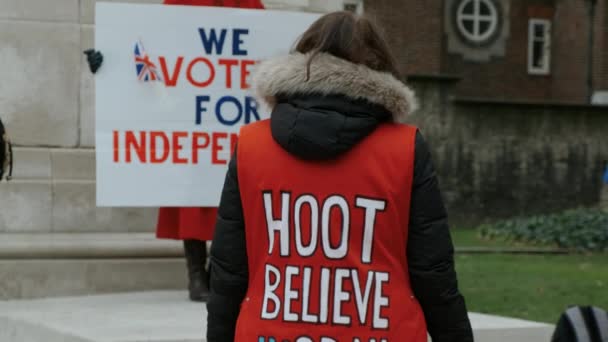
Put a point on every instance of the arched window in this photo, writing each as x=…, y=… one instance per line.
x=477, y=20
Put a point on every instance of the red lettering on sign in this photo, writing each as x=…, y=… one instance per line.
x=228, y=63
x=197, y=146
x=177, y=147
x=209, y=80
x=171, y=81
x=154, y=150
x=216, y=148
x=245, y=72
x=180, y=147
x=116, y=146
x=139, y=145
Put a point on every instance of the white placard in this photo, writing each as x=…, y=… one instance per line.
x=172, y=94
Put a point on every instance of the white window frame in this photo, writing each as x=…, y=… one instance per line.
x=477, y=18
x=358, y=3
x=546, y=68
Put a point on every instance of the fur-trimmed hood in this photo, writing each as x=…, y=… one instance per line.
x=340, y=103
x=329, y=75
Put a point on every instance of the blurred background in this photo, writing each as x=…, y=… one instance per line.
x=514, y=104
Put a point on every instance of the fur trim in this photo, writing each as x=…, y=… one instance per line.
x=330, y=75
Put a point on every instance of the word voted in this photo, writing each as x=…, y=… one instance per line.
x=201, y=71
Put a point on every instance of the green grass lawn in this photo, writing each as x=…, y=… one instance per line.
x=533, y=287
x=470, y=238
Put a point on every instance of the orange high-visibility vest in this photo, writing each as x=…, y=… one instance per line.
x=326, y=241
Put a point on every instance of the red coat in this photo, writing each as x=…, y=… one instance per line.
x=194, y=223
x=326, y=242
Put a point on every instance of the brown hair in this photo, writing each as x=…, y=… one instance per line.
x=350, y=37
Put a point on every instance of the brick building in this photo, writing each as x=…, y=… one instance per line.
x=511, y=50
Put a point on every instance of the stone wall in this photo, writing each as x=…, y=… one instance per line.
x=47, y=104
x=494, y=160
x=500, y=159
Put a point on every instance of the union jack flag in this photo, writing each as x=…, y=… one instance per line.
x=146, y=70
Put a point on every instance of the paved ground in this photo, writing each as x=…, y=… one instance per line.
x=168, y=317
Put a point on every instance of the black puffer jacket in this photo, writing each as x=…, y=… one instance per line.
x=320, y=119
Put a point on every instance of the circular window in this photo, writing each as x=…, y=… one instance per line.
x=477, y=20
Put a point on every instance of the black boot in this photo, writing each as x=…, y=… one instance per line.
x=196, y=257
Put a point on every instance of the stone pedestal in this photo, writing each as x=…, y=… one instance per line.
x=53, y=191
x=170, y=317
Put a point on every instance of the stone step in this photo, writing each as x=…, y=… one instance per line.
x=53, y=206
x=167, y=316
x=51, y=265
x=43, y=163
x=41, y=278
x=87, y=246
x=53, y=190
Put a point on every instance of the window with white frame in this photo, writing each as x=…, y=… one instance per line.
x=477, y=20
x=539, y=47
x=355, y=6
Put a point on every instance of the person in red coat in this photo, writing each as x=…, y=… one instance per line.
x=194, y=226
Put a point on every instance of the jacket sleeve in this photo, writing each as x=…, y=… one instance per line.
x=228, y=263
x=431, y=256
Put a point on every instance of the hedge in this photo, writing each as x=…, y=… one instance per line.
x=580, y=230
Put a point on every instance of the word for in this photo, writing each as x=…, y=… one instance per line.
x=181, y=147
x=228, y=110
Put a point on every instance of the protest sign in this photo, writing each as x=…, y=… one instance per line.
x=173, y=93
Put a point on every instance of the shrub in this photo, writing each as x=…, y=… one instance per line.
x=579, y=229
